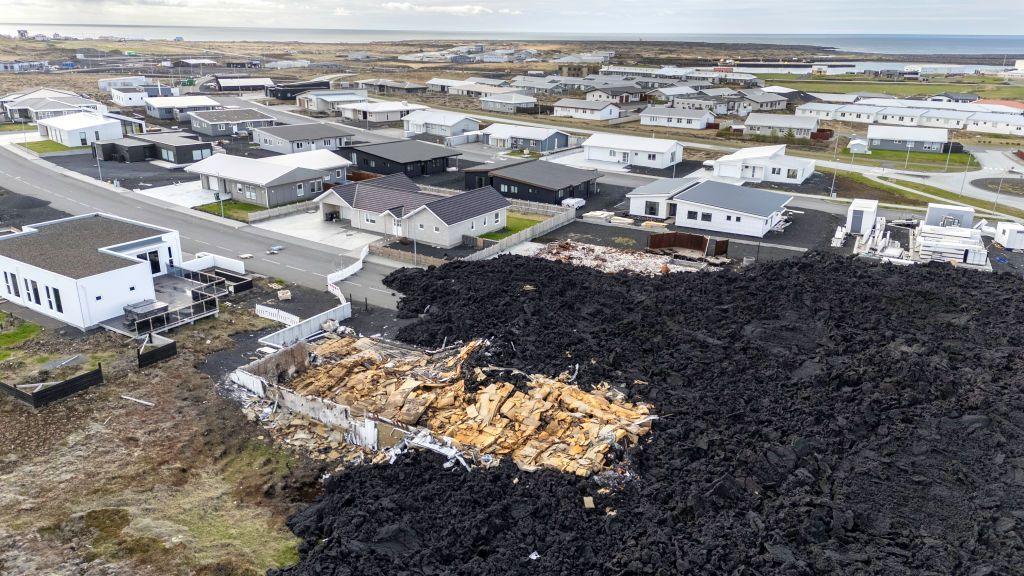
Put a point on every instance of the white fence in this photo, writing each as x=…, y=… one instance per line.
x=349, y=270
x=277, y=315
x=306, y=328
x=205, y=260
x=269, y=213
x=530, y=233
x=542, y=208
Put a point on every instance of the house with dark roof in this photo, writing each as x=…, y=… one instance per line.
x=619, y=94
x=84, y=270
x=410, y=157
x=394, y=205
x=176, y=148
x=257, y=181
x=710, y=206
x=228, y=122
x=289, y=138
x=535, y=180
x=290, y=90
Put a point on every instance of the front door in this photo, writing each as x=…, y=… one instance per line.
x=625, y=157
x=396, y=227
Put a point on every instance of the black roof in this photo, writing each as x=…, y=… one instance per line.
x=71, y=247
x=310, y=131
x=547, y=175
x=405, y=151
x=462, y=207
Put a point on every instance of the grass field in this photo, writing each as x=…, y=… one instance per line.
x=514, y=223
x=16, y=127
x=856, y=185
x=15, y=335
x=954, y=197
x=919, y=161
x=45, y=146
x=232, y=209
x=902, y=89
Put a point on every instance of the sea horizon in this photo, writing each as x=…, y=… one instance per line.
x=922, y=44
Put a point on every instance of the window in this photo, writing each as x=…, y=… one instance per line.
x=421, y=226
x=35, y=293
x=791, y=174
x=776, y=171
x=691, y=215
x=472, y=225
x=56, y=300
x=7, y=281
x=739, y=219
x=327, y=142
x=650, y=208
x=49, y=298
x=131, y=288
x=337, y=173
x=728, y=218
x=368, y=220
x=436, y=229
x=611, y=152
x=514, y=189
x=14, y=285
x=299, y=190
x=497, y=217
x=504, y=187
x=652, y=157
x=98, y=298
x=298, y=145
x=705, y=216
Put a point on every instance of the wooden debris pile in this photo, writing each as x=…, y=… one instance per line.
x=551, y=423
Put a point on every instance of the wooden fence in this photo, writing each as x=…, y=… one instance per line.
x=696, y=242
x=54, y=392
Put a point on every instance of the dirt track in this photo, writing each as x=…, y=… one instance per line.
x=820, y=416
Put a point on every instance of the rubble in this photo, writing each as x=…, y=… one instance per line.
x=607, y=259
x=819, y=415
x=545, y=422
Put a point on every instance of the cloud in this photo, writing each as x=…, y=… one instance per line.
x=510, y=12
x=457, y=9
x=342, y=11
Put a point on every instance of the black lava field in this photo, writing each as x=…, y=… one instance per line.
x=817, y=416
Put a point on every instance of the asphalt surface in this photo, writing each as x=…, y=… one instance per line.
x=302, y=262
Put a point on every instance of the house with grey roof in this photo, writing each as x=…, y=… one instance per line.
x=624, y=94
x=254, y=181
x=83, y=270
x=289, y=138
x=228, y=122
x=586, y=109
x=535, y=180
x=394, y=205
x=510, y=103
x=711, y=206
x=761, y=101
x=410, y=157
x=762, y=124
x=672, y=117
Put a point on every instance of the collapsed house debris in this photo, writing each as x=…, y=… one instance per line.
x=388, y=397
x=612, y=260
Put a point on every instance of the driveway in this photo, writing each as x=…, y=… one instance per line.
x=187, y=194
x=312, y=226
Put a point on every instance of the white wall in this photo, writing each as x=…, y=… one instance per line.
x=676, y=122
x=129, y=98
x=635, y=158
x=638, y=206
x=607, y=113
x=105, y=131
x=723, y=220
x=115, y=292
x=72, y=313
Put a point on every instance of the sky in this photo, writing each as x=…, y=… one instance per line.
x=968, y=17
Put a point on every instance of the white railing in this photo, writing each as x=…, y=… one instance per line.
x=277, y=315
x=339, y=275
x=306, y=328
x=529, y=234
x=205, y=260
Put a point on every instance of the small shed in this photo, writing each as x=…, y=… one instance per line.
x=860, y=218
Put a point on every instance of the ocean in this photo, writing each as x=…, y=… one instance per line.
x=881, y=44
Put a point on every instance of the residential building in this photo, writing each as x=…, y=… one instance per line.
x=178, y=107
x=290, y=138
x=83, y=270
x=79, y=129
x=122, y=82
x=586, y=109
x=327, y=101
x=780, y=125
x=442, y=84
x=410, y=157
x=996, y=124
x=377, y=112
x=532, y=85
x=904, y=139
x=857, y=113
x=819, y=110
x=961, y=97
x=511, y=103
x=385, y=86
x=763, y=164
x=20, y=66
x=710, y=206
x=290, y=90
x=670, y=117
x=35, y=105
x=617, y=94
x=900, y=116
x=174, y=148
x=255, y=181
x=633, y=150
x=535, y=180
x=476, y=90
x=193, y=63
x=333, y=167
x=243, y=84
x=668, y=93
x=394, y=205
x=719, y=105
x=228, y=122
x=130, y=97
x=762, y=101
x=951, y=119
x=517, y=137
x=439, y=123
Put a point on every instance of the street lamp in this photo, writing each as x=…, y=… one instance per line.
x=910, y=146
x=963, y=182
x=998, y=190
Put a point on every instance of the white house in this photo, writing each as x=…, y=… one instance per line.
x=780, y=125
x=106, y=84
x=394, y=205
x=667, y=93
x=84, y=270
x=586, y=109
x=903, y=139
x=900, y=116
x=291, y=138
x=508, y=103
x=951, y=119
x=328, y=100
x=819, y=110
x=633, y=150
x=377, y=112
x=333, y=166
x=710, y=206
x=80, y=129
x=996, y=123
x=857, y=113
x=669, y=117
x=130, y=97
x=256, y=181
x=763, y=164
x=439, y=123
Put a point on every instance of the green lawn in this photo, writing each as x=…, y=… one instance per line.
x=44, y=146
x=902, y=89
x=232, y=209
x=919, y=161
x=16, y=127
x=954, y=197
x=513, y=225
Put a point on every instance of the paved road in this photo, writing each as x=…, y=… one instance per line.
x=305, y=263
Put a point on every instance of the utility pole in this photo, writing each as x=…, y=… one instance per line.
x=963, y=182
x=949, y=153
x=998, y=190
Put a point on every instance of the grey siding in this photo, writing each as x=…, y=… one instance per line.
x=902, y=146
x=227, y=128
x=270, y=196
